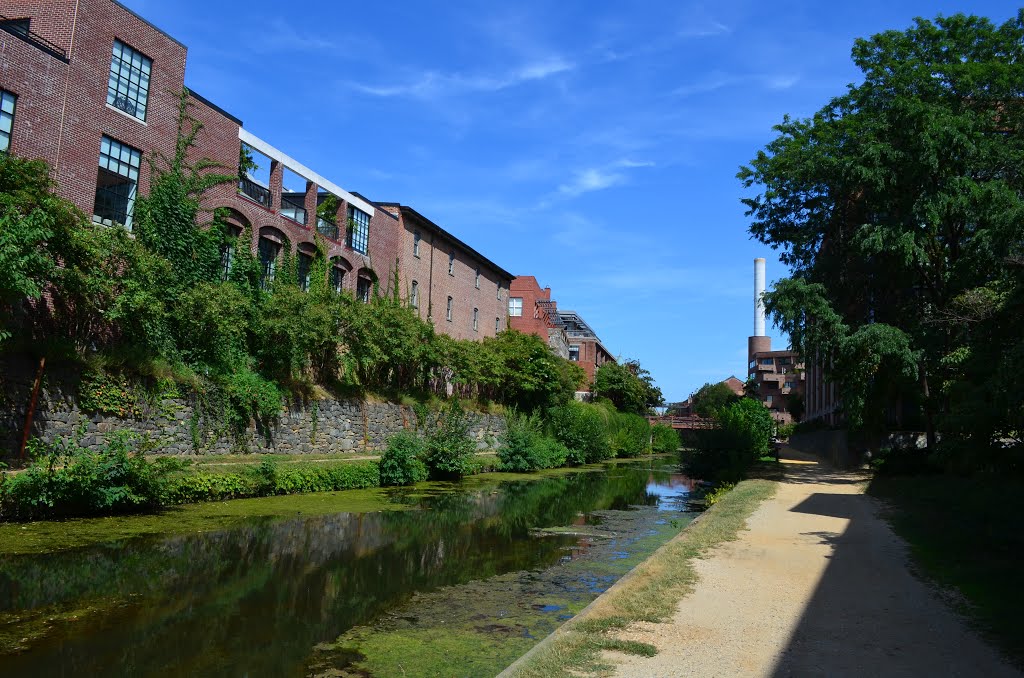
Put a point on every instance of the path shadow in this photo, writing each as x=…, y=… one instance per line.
x=868, y=615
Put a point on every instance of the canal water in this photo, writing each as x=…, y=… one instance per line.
x=460, y=581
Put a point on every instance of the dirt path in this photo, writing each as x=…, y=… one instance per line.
x=818, y=586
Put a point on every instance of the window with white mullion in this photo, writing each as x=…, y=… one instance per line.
x=7, y=101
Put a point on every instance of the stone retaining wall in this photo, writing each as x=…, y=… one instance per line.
x=311, y=427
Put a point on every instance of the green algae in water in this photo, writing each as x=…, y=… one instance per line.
x=48, y=536
x=479, y=628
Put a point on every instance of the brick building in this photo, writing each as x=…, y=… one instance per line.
x=93, y=89
x=463, y=293
x=584, y=345
x=531, y=310
x=778, y=378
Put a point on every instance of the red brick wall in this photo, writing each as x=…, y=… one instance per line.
x=63, y=109
x=533, y=320
x=435, y=287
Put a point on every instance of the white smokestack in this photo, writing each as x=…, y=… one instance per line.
x=758, y=300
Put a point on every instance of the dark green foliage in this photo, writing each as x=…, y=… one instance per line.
x=742, y=435
x=69, y=480
x=524, y=447
x=664, y=438
x=449, y=449
x=628, y=385
x=710, y=398
x=269, y=478
x=401, y=463
x=583, y=429
x=897, y=461
x=630, y=434
x=903, y=225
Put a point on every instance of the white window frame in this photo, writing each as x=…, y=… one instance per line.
x=515, y=307
x=8, y=103
x=476, y=319
x=416, y=243
x=414, y=296
x=448, y=312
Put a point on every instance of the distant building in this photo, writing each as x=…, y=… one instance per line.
x=685, y=408
x=777, y=376
x=584, y=345
x=531, y=310
x=462, y=292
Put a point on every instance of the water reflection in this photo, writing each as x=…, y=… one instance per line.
x=254, y=600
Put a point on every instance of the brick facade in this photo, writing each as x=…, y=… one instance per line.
x=424, y=251
x=538, y=313
x=62, y=113
x=778, y=376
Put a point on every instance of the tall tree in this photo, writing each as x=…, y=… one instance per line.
x=898, y=206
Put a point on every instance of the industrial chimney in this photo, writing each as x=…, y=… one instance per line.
x=758, y=342
x=758, y=297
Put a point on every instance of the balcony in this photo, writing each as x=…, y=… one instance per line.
x=293, y=210
x=327, y=228
x=258, y=194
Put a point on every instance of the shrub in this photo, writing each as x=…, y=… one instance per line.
x=664, y=438
x=66, y=479
x=742, y=434
x=630, y=436
x=582, y=428
x=401, y=463
x=449, y=449
x=525, y=447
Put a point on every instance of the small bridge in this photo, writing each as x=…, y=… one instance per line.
x=689, y=423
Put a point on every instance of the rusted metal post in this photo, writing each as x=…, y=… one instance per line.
x=31, y=408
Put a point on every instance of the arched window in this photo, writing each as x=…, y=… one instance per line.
x=476, y=319
x=414, y=298
x=271, y=243
x=478, y=277
x=448, y=313
x=451, y=262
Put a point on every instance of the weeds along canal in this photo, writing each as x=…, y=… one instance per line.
x=462, y=580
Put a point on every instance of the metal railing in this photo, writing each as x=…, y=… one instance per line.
x=293, y=210
x=327, y=228
x=259, y=194
x=19, y=29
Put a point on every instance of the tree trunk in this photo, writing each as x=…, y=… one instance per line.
x=929, y=416
x=31, y=408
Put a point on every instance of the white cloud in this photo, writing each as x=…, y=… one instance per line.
x=705, y=29
x=600, y=178
x=434, y=84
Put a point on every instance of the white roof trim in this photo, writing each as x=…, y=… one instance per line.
x=303, y=171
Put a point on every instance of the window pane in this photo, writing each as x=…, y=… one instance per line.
x=128, y=87
x=116, y=183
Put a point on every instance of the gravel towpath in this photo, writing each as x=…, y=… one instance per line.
x=818, y=586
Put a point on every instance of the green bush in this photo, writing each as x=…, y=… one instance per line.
x=449, y=449
x=664, y=438
x=525, y=448
x=742, y=434
x=401, y=463
x=269, y=478
x=66, y=479
x=583, y=429
x=630, y=435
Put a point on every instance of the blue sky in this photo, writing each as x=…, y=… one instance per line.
x=591, y=144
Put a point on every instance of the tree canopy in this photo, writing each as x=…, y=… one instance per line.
x=628, y=386
x=899, y=207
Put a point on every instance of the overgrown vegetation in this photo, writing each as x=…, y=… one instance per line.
x=67, y=479
x=185, y=300
x=741, y=435
x=904, y=230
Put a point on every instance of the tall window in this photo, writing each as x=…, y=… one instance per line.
x=363, y=286
x=451, y=263
x=337, y=278
x=416, y=243
x=574, y=353
x=414, y=298
x=267, y=252
x=227, y=252
x=117, y=183
x=358, y=229
x=476, y=319
x=497, y=325
x=6, y=119
x=515, y=306
x=478, y=277
x=498, y=295
x=128, y=87
x=448, y=312
x=305, y=264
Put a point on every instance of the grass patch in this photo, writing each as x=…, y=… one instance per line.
x=650, y=594
x=965, y=535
